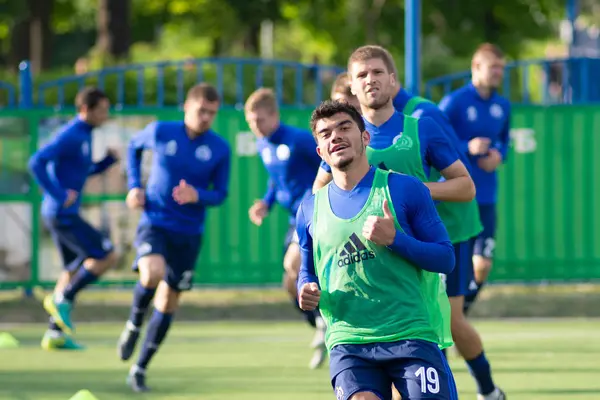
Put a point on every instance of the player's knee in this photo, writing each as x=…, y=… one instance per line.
x=291, y=261
x=289, y=283
x=365, y=396
x=166, y=299
x=151, y=269
x=457, y=316
x=481, y=267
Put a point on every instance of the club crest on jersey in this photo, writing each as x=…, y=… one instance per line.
x=203, y=153
x=354, y=251
x=171, y=148
x=496, y=111
x=402, y=142
x=283, y=152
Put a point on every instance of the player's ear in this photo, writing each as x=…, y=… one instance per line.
x=393, y=80
x=319, y=151
x=366, y=137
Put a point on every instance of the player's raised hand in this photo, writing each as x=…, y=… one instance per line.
x=479, y=146
x=71, y=198
x=185, y=193
x=309, y=296
x=136, y=198
x=490, y=162
x=381, y=230
x=258, y=212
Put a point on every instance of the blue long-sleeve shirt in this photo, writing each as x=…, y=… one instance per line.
x=291, y=160
x=431, y=110
x=65, y=162
x=437, y=151
x=424, y=243
x=473, y=116
x=203, y=162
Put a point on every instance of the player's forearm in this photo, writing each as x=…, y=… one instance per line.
x=306, y=276
x=269, y=197
x=134, y=164
x=458, y=190
x=39, y=171
x=103, y=165
x=211, y=197
x=433, y=257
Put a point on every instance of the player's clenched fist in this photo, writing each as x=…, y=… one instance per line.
x=309, y=296
x=380, y=230
x=185, y=193
x=136, y=198
x=479, y=146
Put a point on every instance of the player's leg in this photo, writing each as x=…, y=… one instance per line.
x=54, y=338
x=466, y=338
x=150, y=243
x=355, y=374
x=96, y=253
x=181, y=255
x=419, y=370
x=483, y=252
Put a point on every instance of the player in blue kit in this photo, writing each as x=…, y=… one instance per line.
x=363, y=237
x=190, y=172
x=61, y=169
x=289, y=156
x=481, y=118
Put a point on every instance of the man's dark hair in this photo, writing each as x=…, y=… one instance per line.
x=203, y=91
x=329, y=108
x=89, y=97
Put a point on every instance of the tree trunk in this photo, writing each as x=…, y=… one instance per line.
x=40, y=33
x=114, y=28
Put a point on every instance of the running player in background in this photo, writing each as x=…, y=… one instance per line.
x=190, y=172
x=289, y=157
x=61, y=169
x=481, y=118
x=366, y=236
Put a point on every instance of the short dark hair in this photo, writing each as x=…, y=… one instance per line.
x=329, y=108
x=370, y=52
x=89, y=97
x=203, y=91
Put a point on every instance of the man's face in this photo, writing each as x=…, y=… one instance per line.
x=200, y=114
x=352, y=100
x=339, y=141
x=262, y=121
x=489, y=70
x=372, y=83
x=98, y=115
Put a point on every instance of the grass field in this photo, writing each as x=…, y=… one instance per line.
x=532, y=360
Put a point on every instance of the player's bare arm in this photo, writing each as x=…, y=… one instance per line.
x=323, y=178
x=457, y=186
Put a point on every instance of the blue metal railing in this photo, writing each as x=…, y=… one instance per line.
x=295, y=84
x=573, y=80
x=163, y=84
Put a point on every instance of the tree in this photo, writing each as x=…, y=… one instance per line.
x=114, y=28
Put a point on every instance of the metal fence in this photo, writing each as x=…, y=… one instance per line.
x=548, y=228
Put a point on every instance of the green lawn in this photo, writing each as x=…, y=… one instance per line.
x=532, y=360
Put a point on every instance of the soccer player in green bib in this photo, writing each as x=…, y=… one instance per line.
x=460, y=217
x=372, y=248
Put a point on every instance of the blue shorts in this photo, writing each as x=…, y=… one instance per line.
x=180, y=252
x=458, y=281
x=417, y=368
x=77, y=240
x=485, y=243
